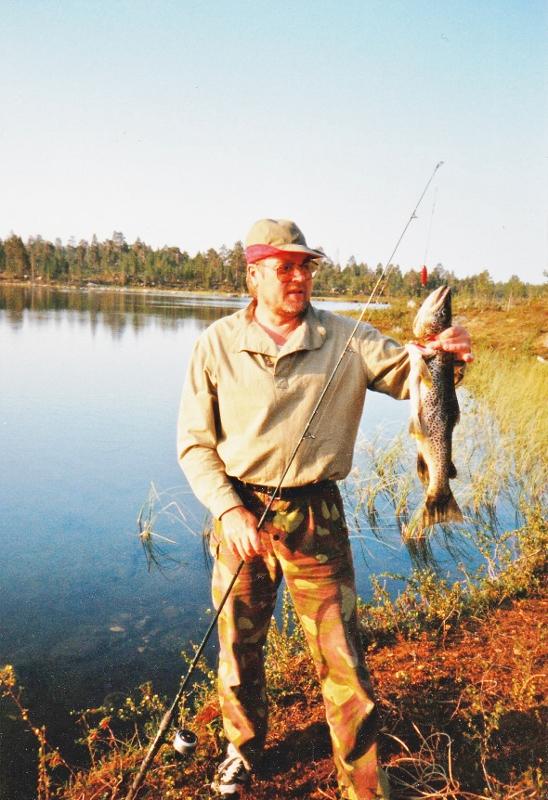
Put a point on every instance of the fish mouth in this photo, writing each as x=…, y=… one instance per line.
x=428, y=319
x=437, y=298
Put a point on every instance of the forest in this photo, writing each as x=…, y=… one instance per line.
x=114, y=262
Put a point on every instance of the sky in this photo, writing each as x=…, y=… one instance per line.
x=181, y=123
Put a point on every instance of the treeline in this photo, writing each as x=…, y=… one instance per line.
x=115, y=262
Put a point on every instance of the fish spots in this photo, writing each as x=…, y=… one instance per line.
x=322, y=531
x=322, y=558
x=434, y=414
x=325, y=510
x=244, y=624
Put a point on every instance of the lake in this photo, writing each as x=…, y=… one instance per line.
x=91, y=382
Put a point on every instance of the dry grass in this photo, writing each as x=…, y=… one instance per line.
x=515, y=390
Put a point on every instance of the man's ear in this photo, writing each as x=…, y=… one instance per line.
x=252, y=271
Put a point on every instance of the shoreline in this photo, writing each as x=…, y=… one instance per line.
x=155, y=290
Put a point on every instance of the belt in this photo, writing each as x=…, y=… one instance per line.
x=286, y=492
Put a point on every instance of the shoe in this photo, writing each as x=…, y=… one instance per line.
x=232, y=774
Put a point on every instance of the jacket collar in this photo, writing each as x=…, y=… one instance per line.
x=250, y=337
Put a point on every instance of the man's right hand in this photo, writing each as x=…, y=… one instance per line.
x=240, y=533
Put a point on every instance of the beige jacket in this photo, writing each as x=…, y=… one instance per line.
x=245, y=402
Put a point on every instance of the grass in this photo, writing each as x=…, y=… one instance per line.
x=514, y=389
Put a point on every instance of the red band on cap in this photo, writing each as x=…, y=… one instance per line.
x=256, y=252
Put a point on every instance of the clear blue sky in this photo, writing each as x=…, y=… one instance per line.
x=183, y=122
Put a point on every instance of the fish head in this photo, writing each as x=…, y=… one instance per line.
x=434, y=315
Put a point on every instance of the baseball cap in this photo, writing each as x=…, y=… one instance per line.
x=273, y=237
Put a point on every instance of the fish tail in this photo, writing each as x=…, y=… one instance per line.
x=441, y=508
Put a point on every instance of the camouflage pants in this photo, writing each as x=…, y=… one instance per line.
x=306, y=541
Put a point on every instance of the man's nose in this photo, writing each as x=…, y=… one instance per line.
x=299, y=274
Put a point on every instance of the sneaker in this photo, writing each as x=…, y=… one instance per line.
x=232, y=774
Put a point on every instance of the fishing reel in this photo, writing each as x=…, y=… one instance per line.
x=185, y=741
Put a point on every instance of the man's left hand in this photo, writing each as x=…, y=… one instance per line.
x=454, y=340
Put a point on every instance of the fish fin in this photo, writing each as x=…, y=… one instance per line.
x=416, y=427
x=455, y=411
x=452, y=470
x=419, y=377
x=441, y=508
x=426, y=377
x=418, y=368
x=422, y=469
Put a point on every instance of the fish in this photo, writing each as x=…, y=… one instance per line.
x=434, y=413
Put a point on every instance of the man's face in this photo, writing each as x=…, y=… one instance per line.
x=283, y=285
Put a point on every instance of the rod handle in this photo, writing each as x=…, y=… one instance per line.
x=151, y=752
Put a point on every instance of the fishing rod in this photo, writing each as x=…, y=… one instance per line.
x=170, y=713
x=429, y=234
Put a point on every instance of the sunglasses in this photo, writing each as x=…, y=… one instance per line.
x=284, y=272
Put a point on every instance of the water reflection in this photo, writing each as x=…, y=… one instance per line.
x=115, y=310
x=118, y=309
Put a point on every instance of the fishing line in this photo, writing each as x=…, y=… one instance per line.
x=429, y=233
x=388, y=266
x=376, y=288
x=170, y=713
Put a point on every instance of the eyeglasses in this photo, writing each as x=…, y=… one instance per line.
x=284, y=272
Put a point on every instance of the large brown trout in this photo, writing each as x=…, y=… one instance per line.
x=434, y=412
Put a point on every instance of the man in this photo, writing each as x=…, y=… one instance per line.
x=252, y=383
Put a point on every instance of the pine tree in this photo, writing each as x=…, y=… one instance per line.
x=16, y=259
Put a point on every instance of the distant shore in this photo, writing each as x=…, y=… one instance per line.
x=158, y=290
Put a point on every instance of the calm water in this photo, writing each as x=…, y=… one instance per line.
x=90, y=390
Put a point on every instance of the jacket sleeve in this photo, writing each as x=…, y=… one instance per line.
x=197, y=436
x=387, y=364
